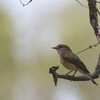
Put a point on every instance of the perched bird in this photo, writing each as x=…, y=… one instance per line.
x=71, y=61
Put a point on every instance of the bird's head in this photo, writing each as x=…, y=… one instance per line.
x=61, y=48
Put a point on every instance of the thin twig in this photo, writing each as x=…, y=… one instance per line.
x=97, y=1
x=81, y=4
x=26, y=3
x=56, y=75
x=90, y=47
x=93, y=14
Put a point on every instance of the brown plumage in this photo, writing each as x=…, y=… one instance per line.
x=71, y=61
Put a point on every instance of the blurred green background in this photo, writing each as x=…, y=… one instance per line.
x=26, y=37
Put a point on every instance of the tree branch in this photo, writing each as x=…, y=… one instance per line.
x=93, y=13
x=26, y=3
x=56, y=75
x=81, y=4
x=90, y=47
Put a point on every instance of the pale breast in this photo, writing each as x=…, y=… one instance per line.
x=68, y=65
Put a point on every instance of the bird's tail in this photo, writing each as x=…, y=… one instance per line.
x=88, y=75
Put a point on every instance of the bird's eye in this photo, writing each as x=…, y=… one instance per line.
x=60, y=46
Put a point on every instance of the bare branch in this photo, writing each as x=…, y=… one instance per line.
x=97, y=1
x=90, y=47
x=26, y=3
x=94, y=75
x=93, y=14
x=81, y=4
x=94, y=17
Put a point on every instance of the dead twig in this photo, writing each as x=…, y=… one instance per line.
x=90, y=47
x=26, y=3
x=81, y=4
x=93, y=14
x=56, y=75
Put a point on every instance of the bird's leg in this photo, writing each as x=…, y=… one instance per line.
x=69, y=72
x=74, y=73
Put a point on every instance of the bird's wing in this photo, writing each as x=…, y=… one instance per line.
x=74, y=59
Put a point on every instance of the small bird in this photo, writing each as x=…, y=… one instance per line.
x=71, y=61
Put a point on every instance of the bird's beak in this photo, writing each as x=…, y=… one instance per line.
x=54, y=47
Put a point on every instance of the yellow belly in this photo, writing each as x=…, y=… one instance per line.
x=69, y=65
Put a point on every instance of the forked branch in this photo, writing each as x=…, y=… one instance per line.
x=56, y=75
x=26, y=3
